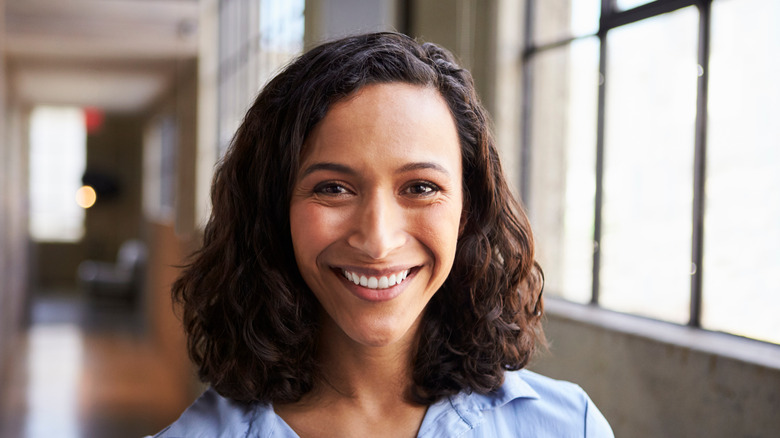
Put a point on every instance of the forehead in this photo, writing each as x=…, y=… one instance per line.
x=411, y=120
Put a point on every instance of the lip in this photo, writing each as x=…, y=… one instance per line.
x=375, y=295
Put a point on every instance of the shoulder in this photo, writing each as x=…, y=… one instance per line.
x=547, y=407
x=527, y=404
x=212, y=415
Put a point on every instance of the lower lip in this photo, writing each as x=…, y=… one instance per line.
x=375, y=295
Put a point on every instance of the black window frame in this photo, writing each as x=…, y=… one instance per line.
x=613, y=17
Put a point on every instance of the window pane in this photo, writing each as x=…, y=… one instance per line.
x=281, y=34
x=648, y=166
x=256, y=39
x=58, y=158
x=556, y=20
x=742, y=222
x=565, y=98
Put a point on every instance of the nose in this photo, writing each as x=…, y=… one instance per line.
x=379, y=226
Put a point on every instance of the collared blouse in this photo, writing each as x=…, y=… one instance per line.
x=526, y=405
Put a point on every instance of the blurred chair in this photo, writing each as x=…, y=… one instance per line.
x=119, y=282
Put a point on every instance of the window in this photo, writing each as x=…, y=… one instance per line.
x=58, y=157
x=649, y=126
x=160, y=156
x=742, y=220
x=256, y=38
x=651, y=155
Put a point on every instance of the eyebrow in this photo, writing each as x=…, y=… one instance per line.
x=341, y=168
x=334, y=167
x=421, y=166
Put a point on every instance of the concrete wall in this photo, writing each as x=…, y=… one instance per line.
x=207, y=108
x=331, y=19
x=14, y=249
x=654, y=379
x=467, y=28
x=13, y=216
x=486, y=37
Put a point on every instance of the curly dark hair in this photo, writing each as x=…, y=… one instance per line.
x=252, y=322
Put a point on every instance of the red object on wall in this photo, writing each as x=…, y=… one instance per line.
x=93, y=118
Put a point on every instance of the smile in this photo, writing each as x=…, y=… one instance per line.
x=382, y=282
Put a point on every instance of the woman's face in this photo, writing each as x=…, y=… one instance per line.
x=376, y=209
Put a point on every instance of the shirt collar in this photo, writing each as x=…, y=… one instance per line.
x=514, y=387
x=464, y=411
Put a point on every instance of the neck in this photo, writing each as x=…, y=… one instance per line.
x=371, y=375
x=361, y=391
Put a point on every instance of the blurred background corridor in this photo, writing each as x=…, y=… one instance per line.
x=88, y=86
x=641, y=135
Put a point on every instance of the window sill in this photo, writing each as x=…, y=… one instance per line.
x=714, y=343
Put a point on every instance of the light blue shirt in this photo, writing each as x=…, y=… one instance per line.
x=526, y=405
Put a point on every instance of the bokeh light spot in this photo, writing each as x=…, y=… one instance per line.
x=86, y=196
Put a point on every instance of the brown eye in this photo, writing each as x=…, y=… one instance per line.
x=422, y=189
x=331, y=188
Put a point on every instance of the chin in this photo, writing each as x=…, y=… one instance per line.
x=379, y=335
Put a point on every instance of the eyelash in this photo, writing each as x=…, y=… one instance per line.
x=327, y=188
x=323, y=188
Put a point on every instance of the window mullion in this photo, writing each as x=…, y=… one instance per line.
x=612, y=17
x=699, y=162
x=606, y=10
x=599, y=168
x=527, y=86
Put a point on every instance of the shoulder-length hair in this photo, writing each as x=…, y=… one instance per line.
x=252, y=322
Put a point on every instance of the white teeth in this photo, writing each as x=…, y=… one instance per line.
x=376, y=283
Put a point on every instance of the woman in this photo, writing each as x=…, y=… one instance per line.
x=366, y=270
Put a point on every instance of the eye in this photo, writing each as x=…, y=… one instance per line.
x=422, y=189
x=331, y=188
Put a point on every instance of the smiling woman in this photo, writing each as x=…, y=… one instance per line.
x=365, y=270
x=379, y=198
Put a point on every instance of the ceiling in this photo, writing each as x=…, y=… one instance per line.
x=116, y=55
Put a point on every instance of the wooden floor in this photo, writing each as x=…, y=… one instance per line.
x=82, y=371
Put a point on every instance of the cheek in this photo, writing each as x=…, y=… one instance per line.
x=313, y=228
x=441, y=228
